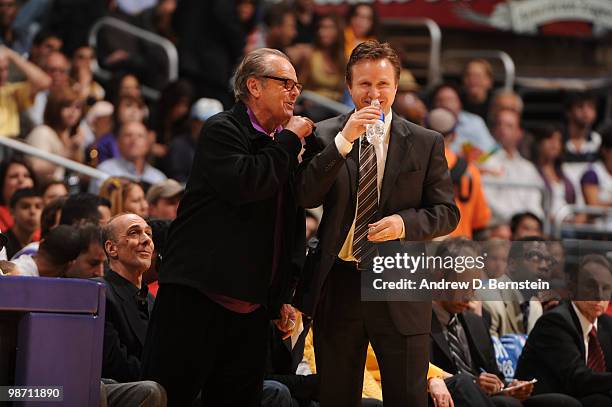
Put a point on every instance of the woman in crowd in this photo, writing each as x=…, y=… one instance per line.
x=15, y=174
x=82, y=74
x=126, y=84
x=547, y=154
x=130, y=108
x=362, y=25
x=172, y=115
x=323, y=70
x=52, y=190
x=247, y=14
x=59, y=134
x=125, y=195
x=477, y=86
x=597, y=180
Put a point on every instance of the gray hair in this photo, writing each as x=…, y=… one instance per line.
x=253, y=64
x=509, y=92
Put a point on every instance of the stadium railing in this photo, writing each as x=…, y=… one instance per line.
x=71, y=165
x=418, y=42
x=166, y=46
x=454, y=60
x=600, y=230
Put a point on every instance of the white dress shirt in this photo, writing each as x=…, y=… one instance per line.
x=507, y=201
x=344, y=148
x=586, y=326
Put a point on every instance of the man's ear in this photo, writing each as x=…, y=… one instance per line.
x=254, y=86
x=110, y=248
x=348, y=88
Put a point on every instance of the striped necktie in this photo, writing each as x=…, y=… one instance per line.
x=367, y=205
x=457, y=352
x=595, y=360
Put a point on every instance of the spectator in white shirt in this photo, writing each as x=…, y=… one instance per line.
x=134, y=144
x=57, y=251
x=472, y=132
x=57, y=66
x=508, y=166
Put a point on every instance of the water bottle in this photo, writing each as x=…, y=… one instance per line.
x=375, y=133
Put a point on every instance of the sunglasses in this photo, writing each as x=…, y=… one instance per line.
x=288, y=84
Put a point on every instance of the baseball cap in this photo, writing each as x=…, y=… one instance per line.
x=99, y=109
x=205, y=108
x=164, y=189
x=441, y=120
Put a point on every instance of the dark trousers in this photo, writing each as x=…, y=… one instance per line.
x=465, y=392
x=343, y=326
x=597, y=400
x=195, y=344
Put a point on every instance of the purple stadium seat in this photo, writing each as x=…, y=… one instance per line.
x=51, y=333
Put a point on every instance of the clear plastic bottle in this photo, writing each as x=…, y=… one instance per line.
x=375, y=133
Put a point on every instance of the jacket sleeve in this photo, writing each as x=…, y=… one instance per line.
x=553, y=346
x=239, y=175
x=317, y=172
x=438, y=215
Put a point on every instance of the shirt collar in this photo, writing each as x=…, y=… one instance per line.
x=128, y=165
x=131, y=168
x=443, y=315
x=258, y=126
x=585, y=324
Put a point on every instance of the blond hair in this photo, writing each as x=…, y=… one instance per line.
x=115, y=189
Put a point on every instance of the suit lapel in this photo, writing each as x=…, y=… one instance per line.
x=438, y=336
x=399, y=144
x=573, y=320
x=478, y=359
x=606, y=345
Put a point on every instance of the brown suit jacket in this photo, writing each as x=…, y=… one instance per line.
x=416, y=185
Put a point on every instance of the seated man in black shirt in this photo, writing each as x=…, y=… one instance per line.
x=129, y=247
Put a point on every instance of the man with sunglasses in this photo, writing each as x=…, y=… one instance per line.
x=235, y=249
x=517, y=311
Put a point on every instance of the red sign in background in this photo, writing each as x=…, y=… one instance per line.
x=457, y=13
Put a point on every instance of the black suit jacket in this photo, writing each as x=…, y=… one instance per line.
x=416, y=185
x=124, y=329
x=479, y=342
x=222, y=240
x=555, y=355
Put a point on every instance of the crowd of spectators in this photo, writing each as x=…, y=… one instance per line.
x=54, y=227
